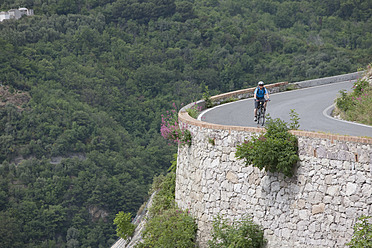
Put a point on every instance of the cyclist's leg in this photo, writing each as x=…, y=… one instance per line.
x=255, y=109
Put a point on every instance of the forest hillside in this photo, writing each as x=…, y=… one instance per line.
x=83, y=85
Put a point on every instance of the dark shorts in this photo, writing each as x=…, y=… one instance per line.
x=256, y=103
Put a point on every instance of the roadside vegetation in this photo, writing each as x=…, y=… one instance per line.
x=356, y=105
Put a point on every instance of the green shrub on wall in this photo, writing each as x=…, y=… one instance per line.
x=276, y=150
x=239, y=234
x=124, y=226
x=362, y=237
x=168, y=226
x=173, y=228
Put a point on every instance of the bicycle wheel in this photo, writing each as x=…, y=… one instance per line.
x=258, y=114
x=263, y=115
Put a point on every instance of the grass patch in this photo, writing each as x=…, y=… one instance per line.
x=231, y=99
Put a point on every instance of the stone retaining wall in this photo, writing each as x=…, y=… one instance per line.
x=318, y=207
x=328, y=80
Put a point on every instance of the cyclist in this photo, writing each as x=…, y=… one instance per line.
x=259, y=94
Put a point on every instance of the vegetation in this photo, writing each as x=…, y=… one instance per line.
x=173, y=228
x=168, y=226
x=356, y=105
x=124, y=226
x=86, y=143
x=231, y=99
x=275, y=150
x=239, y=234
x=362, y=237
x=174, y=131
x=194, y=111
x=207, y=98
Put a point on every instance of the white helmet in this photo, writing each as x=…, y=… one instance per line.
x=260, y=83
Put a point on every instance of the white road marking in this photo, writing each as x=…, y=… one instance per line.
x=349, y=122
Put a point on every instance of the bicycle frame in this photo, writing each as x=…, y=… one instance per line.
x=261, y=112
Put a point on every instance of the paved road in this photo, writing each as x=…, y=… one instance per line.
x=312, y=105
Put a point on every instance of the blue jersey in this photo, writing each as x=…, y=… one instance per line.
x=260, y=93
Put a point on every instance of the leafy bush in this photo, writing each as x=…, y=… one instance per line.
x=170, y=128
x=362, y=237
x=241, y=233
x=344, y=102
x=124, y=226
x=275, y=151
x=168, y=226
x=173, y=228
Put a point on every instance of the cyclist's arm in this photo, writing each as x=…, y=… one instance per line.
x=267, y=94
x=255, y=94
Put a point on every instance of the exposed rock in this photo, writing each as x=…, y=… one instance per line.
x=97, y=213
x=17, y=98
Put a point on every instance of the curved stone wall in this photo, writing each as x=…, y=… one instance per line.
x=318, y=207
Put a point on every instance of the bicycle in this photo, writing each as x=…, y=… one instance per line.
x=261, y=111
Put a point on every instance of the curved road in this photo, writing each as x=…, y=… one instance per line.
x=313, y=105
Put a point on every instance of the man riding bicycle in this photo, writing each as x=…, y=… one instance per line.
x=259, y=94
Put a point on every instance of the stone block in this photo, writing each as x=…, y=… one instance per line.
x=327, y=199
x=302, y=226
x=226, y=185
x=275, y=186
x=316, y=209
x=315, y=197
x=215, y=163
x=232, y=156
x=351, y=188
x=301, y=203
x=232, y=177
x=351, y=213
x=301, y=179
x=286, y=233
x=304, y=214
x=333, y=190
x=355, y=199
x=237, y=188
x=367, y=190
x=328, y=179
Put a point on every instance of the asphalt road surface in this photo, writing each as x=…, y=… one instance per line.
x=313, y=105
